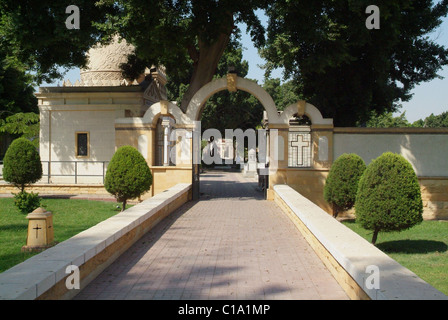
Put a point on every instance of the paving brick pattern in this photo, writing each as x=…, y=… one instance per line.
x=231, y=244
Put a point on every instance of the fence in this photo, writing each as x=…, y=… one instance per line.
x=71, y=171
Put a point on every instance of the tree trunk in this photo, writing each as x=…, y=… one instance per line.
x=205, y=64
x=335, y=210
x=123, y=207
x=375, y=236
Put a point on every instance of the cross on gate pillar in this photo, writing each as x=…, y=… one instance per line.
x=300, y=144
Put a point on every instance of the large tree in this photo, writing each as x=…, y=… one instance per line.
x=35, y=33
x=387, y=120
x=187, y=37
x=18, y=105
x=346, y=69
x=16, y=87
x=284, y=94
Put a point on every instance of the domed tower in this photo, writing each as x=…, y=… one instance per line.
x=104, y=70
x=103, y=67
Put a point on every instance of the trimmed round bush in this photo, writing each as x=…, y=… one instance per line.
x=21, y=164
x=128, y=175
x=342, y=182
x=27, y=202
x=389, y=196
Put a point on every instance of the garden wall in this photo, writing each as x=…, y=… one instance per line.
x=425, y=148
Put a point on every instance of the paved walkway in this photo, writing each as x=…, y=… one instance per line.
x=230, y=245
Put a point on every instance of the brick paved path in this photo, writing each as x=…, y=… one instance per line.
x=230, y=245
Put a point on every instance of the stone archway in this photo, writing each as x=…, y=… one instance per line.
x=186, y=124
x=321, y=129
x=231, y=83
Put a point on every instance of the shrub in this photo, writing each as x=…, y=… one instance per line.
x=389, y=197
x=27, y=202
x=128, y=175
x=21, y=164
x=342, y=182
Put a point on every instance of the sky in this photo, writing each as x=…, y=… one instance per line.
x=428, y=98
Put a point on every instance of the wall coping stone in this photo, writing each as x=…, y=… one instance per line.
x=31, y=278
x=355, y=254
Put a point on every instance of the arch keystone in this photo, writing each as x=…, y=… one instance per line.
x=164, y=107
x=231, y=82
x=301, y=107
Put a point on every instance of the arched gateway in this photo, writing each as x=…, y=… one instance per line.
x=297, y=154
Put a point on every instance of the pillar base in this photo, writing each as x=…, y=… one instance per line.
x=37, y=248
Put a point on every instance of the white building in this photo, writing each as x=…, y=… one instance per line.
x=78, y=121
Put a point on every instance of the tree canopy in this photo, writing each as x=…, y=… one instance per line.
x=34, y=32
x=283, y=94
x=187, y=37
x=16, y=87
x=22, y=124
x=388, y=120
x=346, y=69
x=336, y=63
x=433, y=121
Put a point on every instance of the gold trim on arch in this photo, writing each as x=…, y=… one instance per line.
x=231, y=82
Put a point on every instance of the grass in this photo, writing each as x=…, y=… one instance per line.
x=423, y=249
x=69, y=218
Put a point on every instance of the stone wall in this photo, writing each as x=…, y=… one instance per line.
x=57, y=189
x=435, y=197
x=310, y=183
x=167, y=177
x=426, y=149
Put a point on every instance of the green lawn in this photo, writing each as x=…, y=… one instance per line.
x=69, y=218
x=422, y=249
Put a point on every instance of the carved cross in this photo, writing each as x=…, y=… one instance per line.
x=300, y=144
x=37, y=230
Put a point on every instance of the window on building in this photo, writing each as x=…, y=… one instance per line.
x=82, y=144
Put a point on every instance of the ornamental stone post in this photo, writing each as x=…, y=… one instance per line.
x=40, y=230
